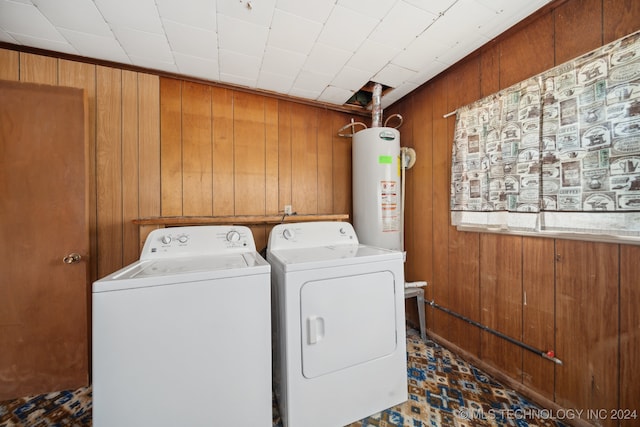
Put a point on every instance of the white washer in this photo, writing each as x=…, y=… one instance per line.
x=182, y=337
x=338, y=323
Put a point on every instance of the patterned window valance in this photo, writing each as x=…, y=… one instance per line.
x=559, y=152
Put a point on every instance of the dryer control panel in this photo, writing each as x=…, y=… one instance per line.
x=197, y=241
x=312, y=234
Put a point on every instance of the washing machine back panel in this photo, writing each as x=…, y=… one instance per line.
x=347, y=321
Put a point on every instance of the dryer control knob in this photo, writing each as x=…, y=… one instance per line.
x=166, y=240
x=288, y=234
x=233, y=236
x=183, y=239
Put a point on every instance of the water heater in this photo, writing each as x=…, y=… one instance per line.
x=377, y=210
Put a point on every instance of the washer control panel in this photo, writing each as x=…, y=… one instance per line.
x=197, y=241
x=311, y=234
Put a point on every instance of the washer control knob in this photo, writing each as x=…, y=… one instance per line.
x=166, y=239
x=343, y=231
x=183, y=239
x=233, y=236
x=288, y=234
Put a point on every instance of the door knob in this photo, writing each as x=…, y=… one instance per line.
x=72, y=258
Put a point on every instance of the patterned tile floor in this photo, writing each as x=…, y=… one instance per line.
x=444, y=390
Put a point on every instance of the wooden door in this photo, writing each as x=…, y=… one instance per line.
x=43, y=219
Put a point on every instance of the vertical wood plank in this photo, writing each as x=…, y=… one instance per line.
x=501, y=300
x=325, y=162
x=441, y=228
x=464, y=279
x=83, y=76
x=271, y=156
x=109, y=169
x=420, y=251
x=629, y=330
x=577, y=17
x=490, y=70
x=130, y=166
x=9, y=65
x=620, y=17
x=284, y=153
x=223, y=137
x=518, y=50
x=197, y=150
x=538, y=318
x=304, y=160
x=38, y=69
x=341, y=166
x=149, y=144
x=249, y=154
x=170, y=147
x=587, y=307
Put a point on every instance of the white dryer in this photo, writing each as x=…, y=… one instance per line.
x=182, y=337
x=339, y=346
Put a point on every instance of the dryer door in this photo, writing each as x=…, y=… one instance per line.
x=346, y=321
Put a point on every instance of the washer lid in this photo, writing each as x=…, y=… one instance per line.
x=165, y=271
x=330, y=256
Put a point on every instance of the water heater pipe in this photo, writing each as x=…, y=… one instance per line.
x=376, y=109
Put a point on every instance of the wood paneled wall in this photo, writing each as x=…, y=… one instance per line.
x=578, y=298
x=162, y=146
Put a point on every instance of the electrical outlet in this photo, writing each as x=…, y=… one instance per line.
x=288, y=210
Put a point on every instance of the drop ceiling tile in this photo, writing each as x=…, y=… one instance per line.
x=316, y=10
x=375, y=9
x=393, y=95
x=461, y=49
x=311, y=49
x=275, y=82
x=144, y=45
x=242, y=67
x=153, y=64
x=351, y=78
x=402, y=24
x=327, y=60
x=238, y=80
x=372, y=56
x=431, y=70
x=292, y=32
x=420, y=53
x=302, y=93
x=191, y=41
x=98, y=47
x=197, y=67
x=393, y=75
x=258, y=12
x=25, y=19
x=141, y=15
x=46, y=44
x=511, y=8
x=433, y=6
x=310, y=81
x=195, y=13
x=6, y=37
x=241, y=36
x=335, y=95
x=507, y=14
x=461, y=22
x=282, y=62
x=346, y=29
x=85, y=17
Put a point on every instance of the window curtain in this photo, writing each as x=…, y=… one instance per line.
x=558, y=153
